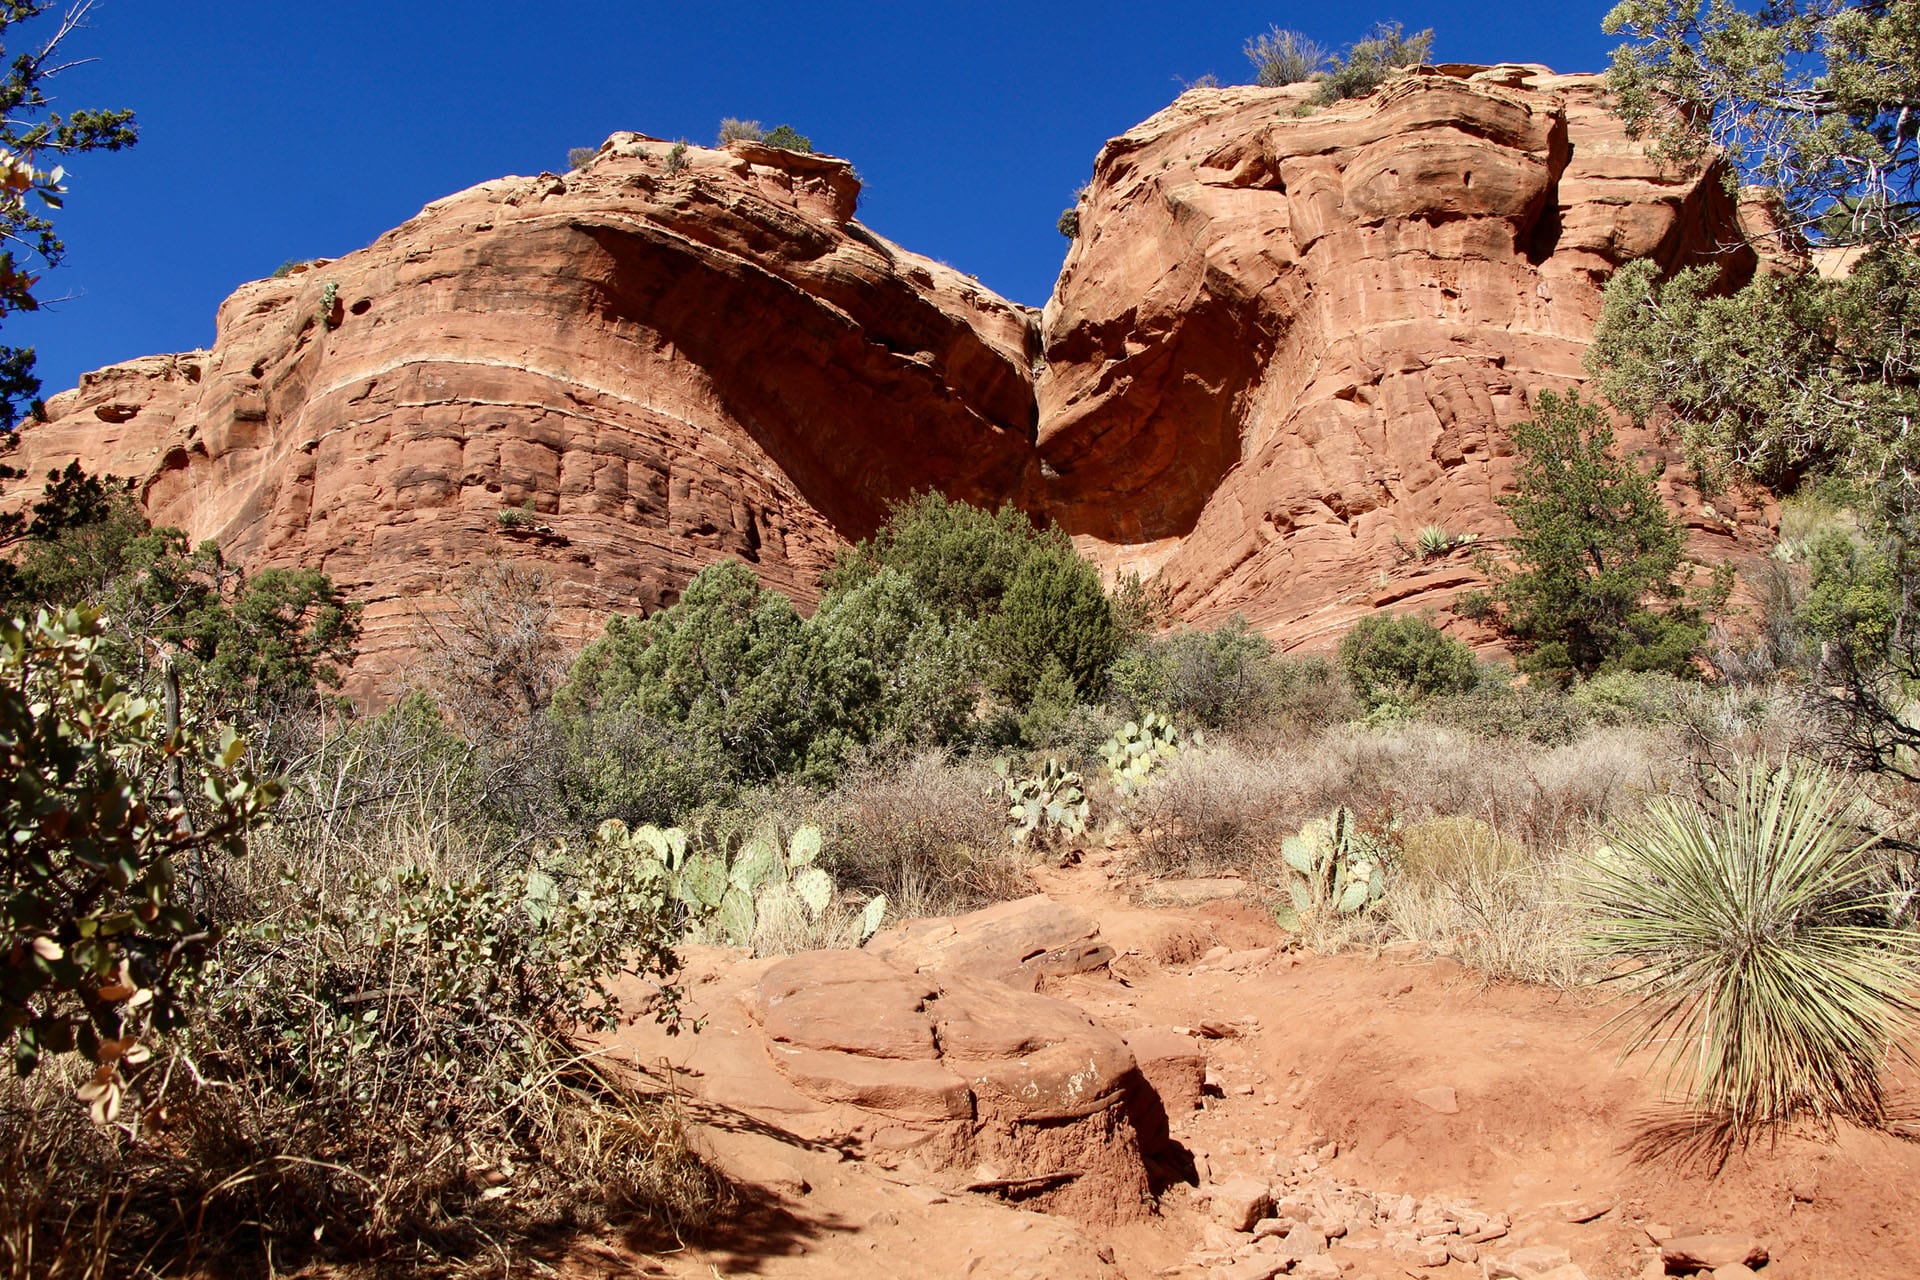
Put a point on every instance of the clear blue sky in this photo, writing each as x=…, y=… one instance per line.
x=274, y=130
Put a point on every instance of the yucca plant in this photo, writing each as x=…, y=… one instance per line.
x=1767, y=964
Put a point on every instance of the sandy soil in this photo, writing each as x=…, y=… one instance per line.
x=1385, y=1073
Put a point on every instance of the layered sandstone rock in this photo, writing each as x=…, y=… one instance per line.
x=663, y=362
x=1291, y=337
x=1287, y=339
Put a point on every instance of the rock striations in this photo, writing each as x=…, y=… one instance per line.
x=1285, y=341
x=1291, y=338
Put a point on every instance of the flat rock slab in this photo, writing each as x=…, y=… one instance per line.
x=846, y=1026
x=1711, y=1251
x=1017, y=943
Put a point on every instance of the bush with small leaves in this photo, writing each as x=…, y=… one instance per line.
x=1069, y=224
x=96, y=941
x=1402, y=659
x=736, y=130
x=581, y=157
x=1366, y=63
x=676, y=157
x=785, y=138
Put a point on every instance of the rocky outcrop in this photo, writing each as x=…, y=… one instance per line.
x=655, y=362
x=975, y=1082
x=1286, y=340
x=1290, y=337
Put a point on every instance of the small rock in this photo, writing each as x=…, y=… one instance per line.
x=1213, y=1029
x=1329, y=1152
x=1319, y=1267
x=884, y=1218
x=1654, y=1270
x=1805, y=1189
x=1534, y=1262
x=1274, y=1227
x=1735, y=1272
x=1429, y=1255
x=1303, y=1242
x=1441, y=1098
x=1462, y=1251
x=1658, y=1232
x=1710, y=1252
x=1240, y=1202
x=1567, y=1272
x=1104, y=1253
x=1582, y=1210
x=1256, y=1268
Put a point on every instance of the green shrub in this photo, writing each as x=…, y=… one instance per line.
x=1494, y=710
x=96, y=939
x=1403, y=659
x=1055, y=611
x=736, y=130
x=959, y=558
x=676, y=157
x=1035, y=599
x=1365, y=64
x=784, y=137
x=1208, y=679
x=1069, y=224
x=1634, y=697
x=731, y=688
x=1597, y=581
x=1285, y=57
x=1765, y=956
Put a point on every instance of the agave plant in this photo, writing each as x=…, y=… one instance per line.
x=1766, y=959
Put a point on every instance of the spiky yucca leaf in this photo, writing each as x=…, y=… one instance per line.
x=1768, y=965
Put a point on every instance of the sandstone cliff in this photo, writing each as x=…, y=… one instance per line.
x=1290, y=338
x=1285, y=340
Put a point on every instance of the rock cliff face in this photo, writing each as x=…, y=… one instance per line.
x=651, y=365
x=1289, y=339
x=1285, y=340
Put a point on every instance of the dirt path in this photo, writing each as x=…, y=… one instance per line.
x=1496, y=1111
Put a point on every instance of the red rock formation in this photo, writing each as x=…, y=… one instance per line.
x=668, y=362
x=1290, y=336
x=1286, y=340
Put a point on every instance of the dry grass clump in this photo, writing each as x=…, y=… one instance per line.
x=1465, y=889
x=1479, y=835
x=1216, y=806
x=930, y=833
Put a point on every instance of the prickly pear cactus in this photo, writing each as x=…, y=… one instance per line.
x=1043, y=807
x=1337, y=869
x=1135, y=753
x=729, y=899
